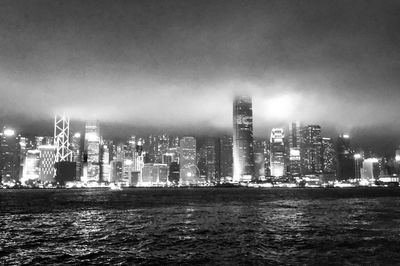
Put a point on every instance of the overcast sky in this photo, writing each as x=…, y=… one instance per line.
x=177, y=64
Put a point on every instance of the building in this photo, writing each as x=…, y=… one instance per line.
x=154, y=175
x=47, y=160
x=295, y=140
x=370, y=169
x=105, y=162
x=243, y=154
x=31, y=166
x=225, y=158
x=188, y=161
x=345, y=158
x=9, y=156
x=328, y=156
x=92, y=151
x=277, y=146
x=77, y=154
x=311, y=150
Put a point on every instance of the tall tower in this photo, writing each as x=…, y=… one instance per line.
x=9, y=156
x=345, y=158
x=92, y=151
x=189, y=173
x=311, y=156
x=277, y=152
x=61, y=138
x=243, y=155
x=294, y=149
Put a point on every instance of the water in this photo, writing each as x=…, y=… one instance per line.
x=225, y=226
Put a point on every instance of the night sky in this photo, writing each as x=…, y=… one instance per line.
x=175, y=65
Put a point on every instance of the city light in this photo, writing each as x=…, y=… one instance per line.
x=9, y=132
x=357, y=156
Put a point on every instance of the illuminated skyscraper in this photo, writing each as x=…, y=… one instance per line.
x=277, y=154
x=345, y=158
x=47, y=160
x=31, y=166
x=328, y=156
x=9, y=156
x=226, y=157
x=311, y=150
x=243, y=155
x=92, y=150
x=76, y=147
x=295, y=140
x=187, y=161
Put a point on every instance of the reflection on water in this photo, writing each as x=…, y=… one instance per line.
x=203, y=226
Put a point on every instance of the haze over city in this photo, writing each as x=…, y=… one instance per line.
x=153, y=66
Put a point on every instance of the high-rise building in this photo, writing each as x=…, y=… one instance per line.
x=328, y=156
x=212, y=173
x=47, y=160
x=77, y=155
x=31, y=166
x=243, y=154
x=189, y=173
x=277, y=154
x=225, y=157
x=345, y=158
x=9, y=156
x=92, y=151
x=295, y=140
x=311, y=150
x=105, y=162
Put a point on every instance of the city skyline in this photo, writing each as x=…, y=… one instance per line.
x=332, y=64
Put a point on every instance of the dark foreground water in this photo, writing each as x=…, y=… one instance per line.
x=228, y=226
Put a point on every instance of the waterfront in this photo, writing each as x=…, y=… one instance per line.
x=200, y=226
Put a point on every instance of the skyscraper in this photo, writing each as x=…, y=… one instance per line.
x=345, y=158
x=277, y=154
x=295, y=140
x=243, y=155
x=311, y=150
x=9, y=156
x=226, y=157
x=92, y=150
x=47, y=160
x=189, y=173
x=328, y=156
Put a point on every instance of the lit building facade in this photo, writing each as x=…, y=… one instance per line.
x=92, y=151
x=328, y=156
x=311, y=150
x=295, y=140
x=345, y=158
x=277, y=154
x=154, y=175
x=226, y=158
x=31, y=166
x=188, y=162
x=243, y=154
x=9, y=156
x=47, y=160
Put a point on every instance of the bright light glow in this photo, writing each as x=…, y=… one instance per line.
x=357, y=156
x=294, y=152
x=345, y=136
x=9, y=132
x=372, y=160
x=128, y=162
x=92, y=136
x=397, y=158
x=77, y=135
x=280, y=107
x=189, y=174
